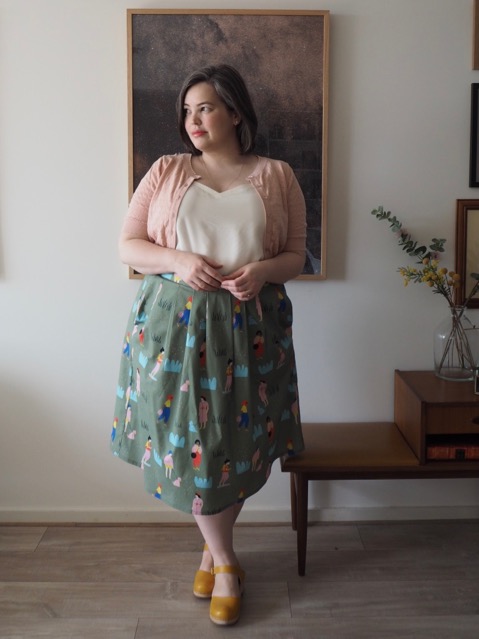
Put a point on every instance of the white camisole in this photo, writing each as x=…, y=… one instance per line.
x=227, y=227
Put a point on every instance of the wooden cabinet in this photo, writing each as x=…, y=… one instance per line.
x=439, y=420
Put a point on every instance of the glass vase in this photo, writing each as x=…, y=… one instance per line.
x=456, y=347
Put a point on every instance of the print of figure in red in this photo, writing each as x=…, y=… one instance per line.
x=196, y=454
x=225, y=473
x=258, y=345
x=203, y=355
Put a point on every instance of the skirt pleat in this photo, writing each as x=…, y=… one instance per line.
x=207, y=394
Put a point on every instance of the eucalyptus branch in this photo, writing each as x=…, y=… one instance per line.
x=439, y=279
x=405, y=239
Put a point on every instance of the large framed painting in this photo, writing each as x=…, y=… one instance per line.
x=283, y=56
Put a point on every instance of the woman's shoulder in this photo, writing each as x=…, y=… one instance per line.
x=171, y=161
x=273, y=167
x=178, y=165
x=274, y=164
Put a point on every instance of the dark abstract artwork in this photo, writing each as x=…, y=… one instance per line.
x=283, y=57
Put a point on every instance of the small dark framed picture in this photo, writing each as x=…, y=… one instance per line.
x=474, y=152
x=467, y=250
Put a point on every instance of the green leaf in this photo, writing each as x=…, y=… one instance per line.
x=420, y=250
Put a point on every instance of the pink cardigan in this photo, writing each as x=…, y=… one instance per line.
x=156, y=201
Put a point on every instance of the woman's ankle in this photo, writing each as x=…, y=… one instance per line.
x=206, y=560
x=226, y=585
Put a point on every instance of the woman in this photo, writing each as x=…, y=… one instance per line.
x=216, y=232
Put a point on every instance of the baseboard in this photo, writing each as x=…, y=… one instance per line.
x=248, y=515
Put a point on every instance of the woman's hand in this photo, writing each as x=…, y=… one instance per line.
x=199, y=272
x=246, y=282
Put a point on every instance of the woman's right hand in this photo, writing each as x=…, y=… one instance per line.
x=198, y=271
x=147, y=258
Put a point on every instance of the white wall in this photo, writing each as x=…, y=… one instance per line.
x=400, y=78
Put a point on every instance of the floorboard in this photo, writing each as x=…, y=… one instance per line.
x=395, y=580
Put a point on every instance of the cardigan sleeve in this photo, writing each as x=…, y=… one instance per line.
x=296, y=230
x=136, y=220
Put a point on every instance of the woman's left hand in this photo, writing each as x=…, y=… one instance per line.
x=245, y=283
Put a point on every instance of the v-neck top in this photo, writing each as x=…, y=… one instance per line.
x=227, y=227
x=154, y=206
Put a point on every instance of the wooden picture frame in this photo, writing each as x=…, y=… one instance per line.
x=467, y=249
x=475, y=36
x=284, y=58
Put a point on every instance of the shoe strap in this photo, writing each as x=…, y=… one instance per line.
x=232, y=570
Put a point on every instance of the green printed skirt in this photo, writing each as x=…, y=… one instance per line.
x=207, y=395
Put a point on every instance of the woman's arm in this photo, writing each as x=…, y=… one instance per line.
x=147, y=258
x=247, y=281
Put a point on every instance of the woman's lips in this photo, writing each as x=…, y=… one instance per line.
x=198, y=134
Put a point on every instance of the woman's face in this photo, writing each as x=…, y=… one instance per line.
x=208, y=122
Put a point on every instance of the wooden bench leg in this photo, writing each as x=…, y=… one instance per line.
x=294, y=512
x=302, y=520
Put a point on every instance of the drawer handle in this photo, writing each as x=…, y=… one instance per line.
x=475, y=420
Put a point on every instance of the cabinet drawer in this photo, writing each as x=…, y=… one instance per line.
x=454, y=419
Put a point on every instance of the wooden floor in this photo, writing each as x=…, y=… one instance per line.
x=391, y=580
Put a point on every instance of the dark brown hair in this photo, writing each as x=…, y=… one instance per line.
x=232, y=90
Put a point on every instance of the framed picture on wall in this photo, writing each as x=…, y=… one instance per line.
x=474, y=149
x=475, y=35
x=467, y=249
x=284, y=58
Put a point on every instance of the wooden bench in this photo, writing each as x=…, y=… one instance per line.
x=427, y=410
x=362, y=450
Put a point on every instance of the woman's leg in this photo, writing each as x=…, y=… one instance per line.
x=217, y=531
